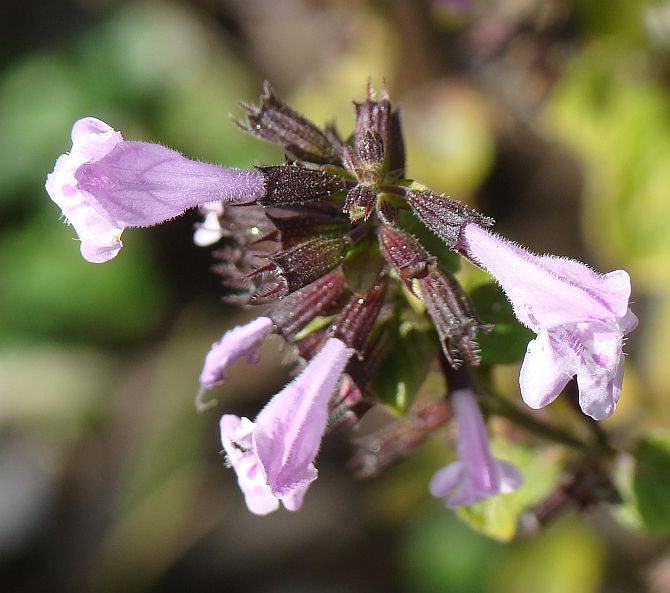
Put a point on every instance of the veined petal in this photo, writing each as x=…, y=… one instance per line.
x=92, y=139
x=141, y=184
x=241, y=341
x=289, y=429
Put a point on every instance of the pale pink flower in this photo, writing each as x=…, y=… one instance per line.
x=580, y=318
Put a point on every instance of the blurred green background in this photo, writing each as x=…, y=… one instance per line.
x=553, y=116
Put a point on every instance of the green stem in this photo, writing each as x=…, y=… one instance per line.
x=500, y=407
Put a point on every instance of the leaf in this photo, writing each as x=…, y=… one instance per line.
x=506, y=342
x=567, y=556
x=651, y=482
x=404, y=369
x=441, y=554
x=363, y=264
x=319, y=322
x=49, y=291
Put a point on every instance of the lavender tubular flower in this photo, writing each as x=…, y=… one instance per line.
x=106, y=184
x=239, y=342
x=274, y=456
x=476, y=475
x=580, y=318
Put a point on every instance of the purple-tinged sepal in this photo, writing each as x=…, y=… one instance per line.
x=245, y=246
x=360, y=202
x=445, y=217
x=446, y=303
x=275, y=122
x=580, y=317
x=377, y=152
x=320, y=298
x=404, y=253
x=376, y=119
x=296, y=225
x=294, y=268
x=476, y=475
x=453, y=316
x=274, y=456
x=359, y=315
x=106, y=184
x=290, y=184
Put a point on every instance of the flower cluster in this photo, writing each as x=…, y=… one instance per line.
x=324, y=240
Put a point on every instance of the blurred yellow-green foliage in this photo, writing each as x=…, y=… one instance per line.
x=553, y=116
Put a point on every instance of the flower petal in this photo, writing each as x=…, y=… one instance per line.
x=209, y=231
x=548, y=291
x=92, y=139
x=289, y=429
x=476, y=475
x=241, y=341
x=140, y=184
x=473, y=443
x=237, y=442
x=446, y=480
x=509, y=477
x=100, y=238
x=543, y=375
x=600, y=374
x=106, y=184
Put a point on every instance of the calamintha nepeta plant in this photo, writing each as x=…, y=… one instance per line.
x=327, y=242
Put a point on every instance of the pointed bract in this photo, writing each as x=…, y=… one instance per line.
x=476, y=475
x=106, y=184
x=580, y=318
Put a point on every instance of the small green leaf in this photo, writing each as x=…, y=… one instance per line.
x=506, y=342
x=404, y=369
x=651, y=482
x=319, y=322
x=363, y=264
x=496, y=517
